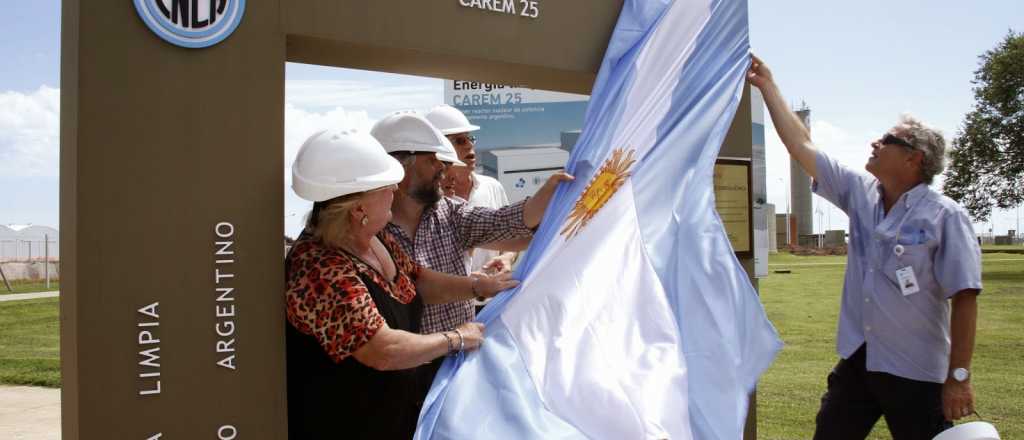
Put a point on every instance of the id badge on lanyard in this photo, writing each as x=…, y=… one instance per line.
x=907, y=280
x=905, y=276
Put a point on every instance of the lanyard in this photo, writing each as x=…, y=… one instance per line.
x=898, y=249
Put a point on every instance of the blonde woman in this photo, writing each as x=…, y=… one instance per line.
x=354, y=300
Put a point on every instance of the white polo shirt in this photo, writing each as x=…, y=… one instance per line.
x=487, y=192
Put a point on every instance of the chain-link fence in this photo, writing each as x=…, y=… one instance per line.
x=43, y=249
x=28, y=259
x=988, y=238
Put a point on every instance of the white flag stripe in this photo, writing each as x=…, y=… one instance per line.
x=600, y=342
x=642, y=325
x=650, y=96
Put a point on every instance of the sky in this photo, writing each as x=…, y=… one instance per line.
x=857, y=64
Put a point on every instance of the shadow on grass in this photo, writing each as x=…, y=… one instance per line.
x=1013, y=277
x=29, y=286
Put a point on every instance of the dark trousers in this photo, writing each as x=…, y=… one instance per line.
x=856, y=398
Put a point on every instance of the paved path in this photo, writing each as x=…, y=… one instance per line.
x=29, y=413
x=20, y=296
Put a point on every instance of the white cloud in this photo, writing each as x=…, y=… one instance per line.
x=375, y=98
x=314, y=105
x=30, y=133
x=30, y=123
x=849, y=148
x=299, y=124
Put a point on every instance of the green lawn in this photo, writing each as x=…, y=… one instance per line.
x=804, y=306
x=29, y=342
x=29, y=286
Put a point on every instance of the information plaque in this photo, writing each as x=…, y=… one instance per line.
x=733, y=202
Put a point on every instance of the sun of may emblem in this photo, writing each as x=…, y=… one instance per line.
x=608, y=180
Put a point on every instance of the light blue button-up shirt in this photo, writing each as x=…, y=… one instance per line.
x=906, y=335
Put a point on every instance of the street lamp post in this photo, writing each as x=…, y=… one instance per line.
x=992, y=225
x=828, y=206
x=1017, y=231
x=821, y=224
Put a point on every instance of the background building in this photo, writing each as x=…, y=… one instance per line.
x=802, y=216
x=28, y=243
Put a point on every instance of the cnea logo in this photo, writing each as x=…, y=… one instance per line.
x=191, y=23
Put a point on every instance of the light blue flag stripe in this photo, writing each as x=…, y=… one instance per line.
x=450, y=392
x=728, y=341
x=726, y=338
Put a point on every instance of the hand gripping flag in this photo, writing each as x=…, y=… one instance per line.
x=634, y=320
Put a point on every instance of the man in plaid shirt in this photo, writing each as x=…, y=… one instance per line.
x=436, y=230
x=438, y=234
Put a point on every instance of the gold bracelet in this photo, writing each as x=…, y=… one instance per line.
x=451, y=345
x=462, y=342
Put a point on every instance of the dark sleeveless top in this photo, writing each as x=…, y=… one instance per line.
x=348, y=400
x=330, y=398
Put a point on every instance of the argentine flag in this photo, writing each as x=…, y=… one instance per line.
x=634, y=320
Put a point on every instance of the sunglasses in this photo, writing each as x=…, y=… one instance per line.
x=890, y=139
x=463, y=140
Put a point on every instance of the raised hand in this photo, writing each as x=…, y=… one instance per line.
x=759, y=75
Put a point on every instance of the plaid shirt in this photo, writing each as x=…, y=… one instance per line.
x=446, y=231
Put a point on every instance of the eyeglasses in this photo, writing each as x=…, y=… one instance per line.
x=463, y=140
x=891, y=139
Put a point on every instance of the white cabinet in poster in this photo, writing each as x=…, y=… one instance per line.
x=522, y=171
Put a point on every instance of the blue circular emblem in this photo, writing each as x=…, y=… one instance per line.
x=191, y=23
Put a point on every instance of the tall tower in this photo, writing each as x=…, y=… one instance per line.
x=801, y=218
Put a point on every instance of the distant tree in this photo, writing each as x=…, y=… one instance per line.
x=987, y=157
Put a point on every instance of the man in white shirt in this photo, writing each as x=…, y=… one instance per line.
x=476, y=190
x=465, y=183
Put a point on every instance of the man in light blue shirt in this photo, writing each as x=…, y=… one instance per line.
x=907, y=320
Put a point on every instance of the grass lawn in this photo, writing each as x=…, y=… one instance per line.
x=29, y=286
x=29, y=342
x=804, y=306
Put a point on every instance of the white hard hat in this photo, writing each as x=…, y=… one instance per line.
x=970, y=431
x=335, y=163
x=408, y=131
x=450, y=120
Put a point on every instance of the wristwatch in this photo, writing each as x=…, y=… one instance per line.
x=961, y=374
